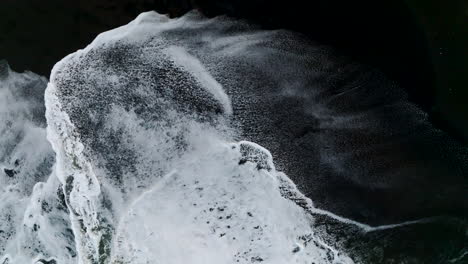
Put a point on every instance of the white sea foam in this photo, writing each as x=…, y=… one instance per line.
x=188, y=195
x=32, y=224
x=211, y=210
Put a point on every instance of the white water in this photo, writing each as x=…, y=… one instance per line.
x=32, y=220
x=189, y=202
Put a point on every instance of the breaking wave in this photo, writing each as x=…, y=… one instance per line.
x=147, y=167
x=149, y=156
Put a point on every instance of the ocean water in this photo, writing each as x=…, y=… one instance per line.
x=165, y=141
